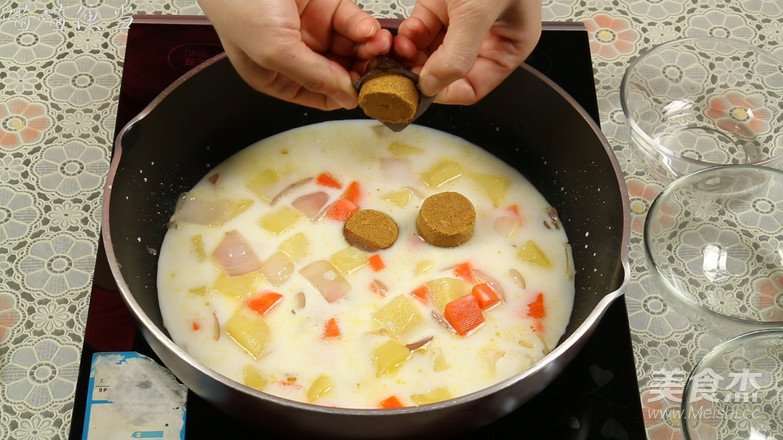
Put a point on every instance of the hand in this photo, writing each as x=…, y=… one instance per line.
x=302, y=51
x=463, y=49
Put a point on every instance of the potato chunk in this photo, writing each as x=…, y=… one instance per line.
x=320, y=387
x=349, y=259
x=253, y=378
x=441, y=173
x=494, y=186
x=399, y=316
x=529, y=252
x=388, y=356
x=445, y=290
x=432, y=396
x=249, y=330
x=239, y=287
x=280, y=220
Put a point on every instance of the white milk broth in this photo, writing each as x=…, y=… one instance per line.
x=366, y=359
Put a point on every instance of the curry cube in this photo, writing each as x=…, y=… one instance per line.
x=529, y=252
x=445, y=290
x=441, y=173
x=388, y=356
x=280, y=220
x=249, y=330
x=349, y=259
x=399, y=316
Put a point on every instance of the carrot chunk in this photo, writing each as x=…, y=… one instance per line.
x=391, y=402
x=196, y=325
x=376, y=263
x=326, y=179
x=262, y=303
x=342, y=210
x=464, y=314
x=536, y=308
x=331, y=329
x=421, y=294
x=485, y=295
x=465, y=271
x=353, y=192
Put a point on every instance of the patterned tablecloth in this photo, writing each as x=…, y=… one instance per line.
x=60, y=69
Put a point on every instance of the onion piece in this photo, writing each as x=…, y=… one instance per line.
x=311, y=204
x=517, y=277
x=326, y=279
x=277, y=268
x=216, y=327
x=193, y=208
x=235, y=256
x=493, y=283
x=418, y=344
x=396, y=170
x=506, y=225
x=379, y=287
x=288, y=189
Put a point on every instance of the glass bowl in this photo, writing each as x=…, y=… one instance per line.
x=736, y=391
x=714, y=242
x=699, y=102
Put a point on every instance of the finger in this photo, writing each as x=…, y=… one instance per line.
x=454, y=58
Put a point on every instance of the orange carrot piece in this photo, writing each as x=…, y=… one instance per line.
x=464, y=314
x=376, y=262
x=391, y=402
x=421, y=294
x=536, y=308
x=514, y=209
x=353, y=192
x=331, y=329
x=262, y=303
x=196, y=325
x=465, y=271
x=326, y=179
x=342, y=210
x=485, y=295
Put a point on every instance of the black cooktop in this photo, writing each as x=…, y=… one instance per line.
x=596, y=396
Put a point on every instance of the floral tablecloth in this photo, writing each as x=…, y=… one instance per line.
x=60, y=70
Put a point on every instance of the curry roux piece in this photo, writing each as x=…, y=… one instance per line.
x=370, y=230
x=446, y=219
x=389, y=97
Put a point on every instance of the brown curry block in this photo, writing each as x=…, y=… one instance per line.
x=389, y=97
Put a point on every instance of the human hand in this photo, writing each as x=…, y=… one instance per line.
x=302, y=51
x=463, y=49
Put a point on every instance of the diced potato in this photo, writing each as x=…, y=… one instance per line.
x=529, y=252
x=253, y=378
x=349, y=259
x=399, y=316
x=432, y=396
x=295, y=246
x=389, y=356
x=495, y=186
x=399, y=198
x=320, y=387
x=198, y=248
x=401, y=149
x=239, y=287
x=490, y=357
x=423, y=266
x=264, y=184
x=249, y=330
x=280, y=220
x=439, y=362
x=445, y=290
x=441, y=173
x=200, y=290
x=237, y=207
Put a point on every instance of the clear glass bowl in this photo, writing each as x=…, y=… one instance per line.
x=699, y=102
x=736, y=391
x=714, y=241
